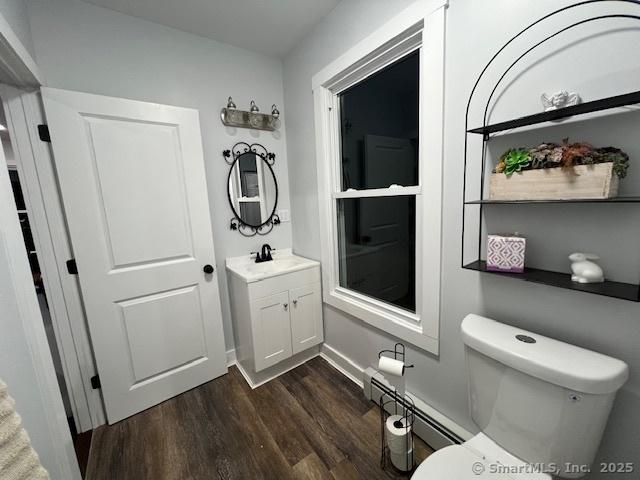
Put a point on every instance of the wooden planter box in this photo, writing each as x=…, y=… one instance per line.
x=589, y=181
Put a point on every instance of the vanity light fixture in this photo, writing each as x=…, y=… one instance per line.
x=253, y=119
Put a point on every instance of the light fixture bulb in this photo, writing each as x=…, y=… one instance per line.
x=274, y=111
x=230, y=104
x=254, y=108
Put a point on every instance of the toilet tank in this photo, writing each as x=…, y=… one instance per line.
x=544, y=401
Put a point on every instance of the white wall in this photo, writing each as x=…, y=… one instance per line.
x=15, y=13
x=41, y=408
x=90, y=49
x=16, y=368
x=596, y=66
x=8, y=150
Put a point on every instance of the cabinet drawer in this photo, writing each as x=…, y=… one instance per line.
x=285, y=282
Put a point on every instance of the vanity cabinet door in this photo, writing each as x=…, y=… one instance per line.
x=271, y=330
x=306, y=317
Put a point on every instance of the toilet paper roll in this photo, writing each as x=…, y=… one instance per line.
x=398, y=435
x=391, y=366
x=402, y=461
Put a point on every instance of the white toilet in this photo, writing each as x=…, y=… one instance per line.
x=541, y=405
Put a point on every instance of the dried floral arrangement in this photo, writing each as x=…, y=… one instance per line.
x=565, y=155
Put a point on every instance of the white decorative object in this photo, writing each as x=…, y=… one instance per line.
x=559, y=99
x=585, y=271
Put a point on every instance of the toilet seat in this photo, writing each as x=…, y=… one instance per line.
x=478, y=459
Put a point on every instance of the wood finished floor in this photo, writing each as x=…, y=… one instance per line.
x=310, y=423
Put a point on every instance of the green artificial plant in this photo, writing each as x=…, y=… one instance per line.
x=515, y=160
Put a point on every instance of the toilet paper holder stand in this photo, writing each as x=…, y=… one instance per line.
x=394, y=403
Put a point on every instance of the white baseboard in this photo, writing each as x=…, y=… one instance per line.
x=443, y=420
x=343, y=364
x=231, y=357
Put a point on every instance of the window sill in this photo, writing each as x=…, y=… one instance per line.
x=404, y=325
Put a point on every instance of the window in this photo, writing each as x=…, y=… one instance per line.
x=379, y=115
x=379, y=149
x=377, y=246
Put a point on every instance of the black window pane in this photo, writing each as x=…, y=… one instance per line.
x=376, y=243
x=379, y=128
x=250, y=213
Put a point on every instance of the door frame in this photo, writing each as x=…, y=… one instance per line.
x=34, y=160
x=18, y=67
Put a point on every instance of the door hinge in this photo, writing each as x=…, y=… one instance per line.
x=43, y=133
x=95, y=382
x=72, y=267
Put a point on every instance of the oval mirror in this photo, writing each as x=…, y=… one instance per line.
x=253, y=190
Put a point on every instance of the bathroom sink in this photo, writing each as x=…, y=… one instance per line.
x=283, y=262
x=275, y=265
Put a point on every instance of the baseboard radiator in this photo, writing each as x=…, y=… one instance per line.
x=433, y=432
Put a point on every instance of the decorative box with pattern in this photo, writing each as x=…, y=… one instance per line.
x=505, y=253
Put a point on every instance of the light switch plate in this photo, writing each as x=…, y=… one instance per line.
x=285, y=215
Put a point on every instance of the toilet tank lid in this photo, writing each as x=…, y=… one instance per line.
x=550, y=360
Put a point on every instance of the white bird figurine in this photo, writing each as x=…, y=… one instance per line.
x=585, y=271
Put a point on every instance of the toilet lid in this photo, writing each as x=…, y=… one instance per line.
x=458, y=462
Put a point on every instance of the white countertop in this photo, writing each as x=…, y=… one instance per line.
x=284, y=261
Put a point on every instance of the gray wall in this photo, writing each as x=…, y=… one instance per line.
x=90, y=49
x=15, y=13
x=589, y=62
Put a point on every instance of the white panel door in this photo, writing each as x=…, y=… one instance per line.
x=133, y=186
x=271, y=330
x=306, y=317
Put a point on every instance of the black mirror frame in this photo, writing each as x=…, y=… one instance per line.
x=231, y=157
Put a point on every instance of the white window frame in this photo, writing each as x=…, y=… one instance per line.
x=421, y=26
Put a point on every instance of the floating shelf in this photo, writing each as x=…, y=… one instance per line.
x=580, y=109
x=472, y=218
x=580, y=200
x=624, y=291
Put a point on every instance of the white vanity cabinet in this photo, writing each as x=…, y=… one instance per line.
x=276, y=308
